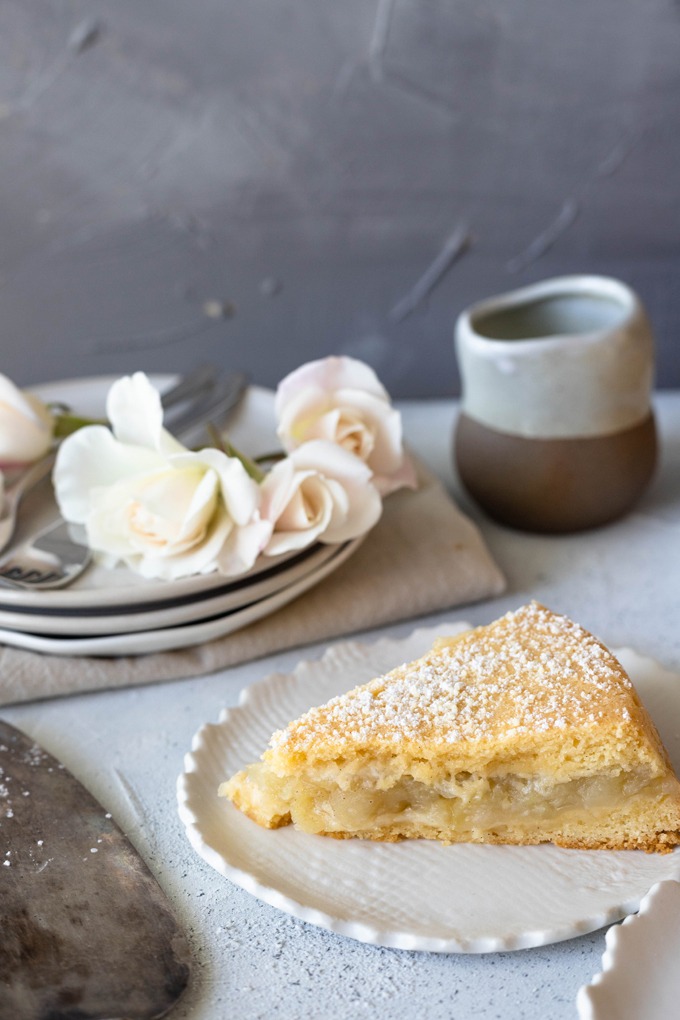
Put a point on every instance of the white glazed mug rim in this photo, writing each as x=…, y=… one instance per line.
x=567, y=384
x=579, y=285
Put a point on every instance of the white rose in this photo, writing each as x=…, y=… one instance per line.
x=319, y=492
x=26, y=426
x=341, y=400
x=147, y=501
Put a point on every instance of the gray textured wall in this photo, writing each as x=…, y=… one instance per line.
x=266, y=181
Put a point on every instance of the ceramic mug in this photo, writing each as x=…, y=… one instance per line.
x=556, y=431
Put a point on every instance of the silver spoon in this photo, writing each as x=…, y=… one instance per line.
x=51, y=559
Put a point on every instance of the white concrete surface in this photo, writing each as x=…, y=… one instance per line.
x=251, y=961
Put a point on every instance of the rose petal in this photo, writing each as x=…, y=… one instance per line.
x=10, y=395
x=277, y=489
x=40, y=412
x=329, y=374
x=359, y=502
x=240, y=493
x=201, y=508
x=134, y=409
x=149, y=502
x=355, y=502
x=200, y=559
x=91, y=458
x=341, y=400
x=406, y=477
x=170, y=512
x=368, y=429
x=26, y=426
x=108, y=529
x=330, y=460
x=309, y=508
x=242, y=547
x=362, y=512
x=384, y=423
x=299, y=506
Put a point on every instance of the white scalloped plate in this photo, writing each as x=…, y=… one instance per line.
x=640, y=975
x=415, y=894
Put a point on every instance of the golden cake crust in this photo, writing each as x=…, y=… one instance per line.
x=530, y=684
x=525, y=731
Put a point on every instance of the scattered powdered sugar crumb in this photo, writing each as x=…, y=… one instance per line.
x=34, y=755
x=532, y=671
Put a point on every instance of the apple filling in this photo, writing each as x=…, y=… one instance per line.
x=465, y=804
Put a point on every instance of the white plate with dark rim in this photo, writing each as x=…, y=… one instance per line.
x=415, y=894
x=183, y=635
x=172, y=612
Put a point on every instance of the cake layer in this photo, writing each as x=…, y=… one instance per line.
x=630, y=809
x=524, y=731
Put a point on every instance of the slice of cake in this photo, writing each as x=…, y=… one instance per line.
x=525, y=731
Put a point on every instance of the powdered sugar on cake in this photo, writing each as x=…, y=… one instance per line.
x=472, y=691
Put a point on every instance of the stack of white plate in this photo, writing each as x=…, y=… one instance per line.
x=116, y=612
x=113, y=612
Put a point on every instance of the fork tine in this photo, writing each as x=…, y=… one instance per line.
x=223, y=398
x=189, y=385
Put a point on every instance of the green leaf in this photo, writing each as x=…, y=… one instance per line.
x=222, y=443
x=66, y=424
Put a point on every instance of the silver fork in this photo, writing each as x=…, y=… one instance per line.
x=218, y=402
x=58, y=553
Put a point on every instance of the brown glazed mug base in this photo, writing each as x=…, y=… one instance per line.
x=555, y=485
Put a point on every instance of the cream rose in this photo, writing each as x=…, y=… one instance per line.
x=26, y=426
x=341, y=400
x=147, y=501
x=319, y=492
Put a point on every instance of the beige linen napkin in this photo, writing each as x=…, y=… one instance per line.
x=424, y=555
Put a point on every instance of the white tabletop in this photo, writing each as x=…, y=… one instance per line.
x=250, y=960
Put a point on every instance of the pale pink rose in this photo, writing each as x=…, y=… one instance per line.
x=26, y=426
x=147, y=501
x=319, y=492
x=342, y=401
